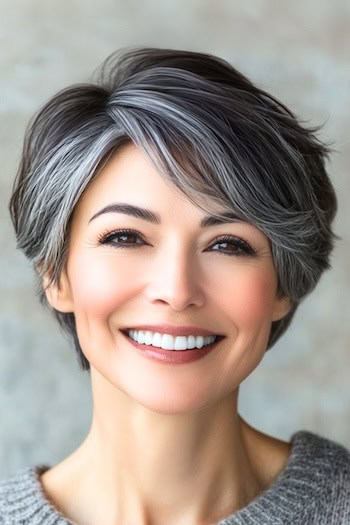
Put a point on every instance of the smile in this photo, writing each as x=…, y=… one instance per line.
x=170, y=355
x=170, y=342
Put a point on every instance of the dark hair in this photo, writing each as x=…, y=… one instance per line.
x=208, y=129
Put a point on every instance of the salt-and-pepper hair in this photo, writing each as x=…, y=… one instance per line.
x=206, y=128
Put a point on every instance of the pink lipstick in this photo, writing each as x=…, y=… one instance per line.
x=172, y=356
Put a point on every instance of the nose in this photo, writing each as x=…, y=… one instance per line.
x=175, y=279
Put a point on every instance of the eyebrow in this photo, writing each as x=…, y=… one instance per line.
x=154, y=218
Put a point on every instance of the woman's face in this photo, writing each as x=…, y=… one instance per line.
x=175, y=272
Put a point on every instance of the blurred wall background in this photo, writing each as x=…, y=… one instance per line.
x=300, y=52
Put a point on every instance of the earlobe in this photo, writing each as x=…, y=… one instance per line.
x=59, y=294
x=283, y=306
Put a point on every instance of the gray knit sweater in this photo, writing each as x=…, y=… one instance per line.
x=314, y=488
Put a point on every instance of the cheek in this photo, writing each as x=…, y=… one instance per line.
x=99, y=285
x=249, y=296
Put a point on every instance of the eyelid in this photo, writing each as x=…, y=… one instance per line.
x=119, y=231
x=247, y=246
x=219, y=238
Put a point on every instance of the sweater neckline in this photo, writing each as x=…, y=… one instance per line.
x=289, y=493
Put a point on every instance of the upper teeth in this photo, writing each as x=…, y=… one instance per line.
x=169, y=342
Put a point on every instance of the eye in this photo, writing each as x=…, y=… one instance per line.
x=124, y=236
x=234, y=246
x=121, y=239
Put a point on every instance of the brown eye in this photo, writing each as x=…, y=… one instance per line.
x=234, y=246
x=121, y=238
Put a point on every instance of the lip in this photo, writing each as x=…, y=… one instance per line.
x=171, y=329
x=174, y=357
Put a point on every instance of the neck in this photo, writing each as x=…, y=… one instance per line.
x=146, y=467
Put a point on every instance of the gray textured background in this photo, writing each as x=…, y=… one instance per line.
x=300, y=51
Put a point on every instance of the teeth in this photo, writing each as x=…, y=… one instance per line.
x=169, y=342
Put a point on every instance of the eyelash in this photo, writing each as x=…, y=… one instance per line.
x=245, y=249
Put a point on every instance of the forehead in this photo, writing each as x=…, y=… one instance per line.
x=129, y=174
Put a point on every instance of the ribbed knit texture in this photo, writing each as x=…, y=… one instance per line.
x=313, y=489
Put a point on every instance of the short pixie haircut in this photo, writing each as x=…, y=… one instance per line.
x=206, y=128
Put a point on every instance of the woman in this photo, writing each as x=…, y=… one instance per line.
x=176, y=215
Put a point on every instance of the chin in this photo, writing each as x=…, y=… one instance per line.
x=169, y=401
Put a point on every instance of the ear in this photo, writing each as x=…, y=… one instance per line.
x=59, y=294
x=282, y=307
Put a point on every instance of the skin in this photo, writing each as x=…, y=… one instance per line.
x=166, y=443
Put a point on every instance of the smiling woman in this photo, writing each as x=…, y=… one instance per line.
x=176, y=215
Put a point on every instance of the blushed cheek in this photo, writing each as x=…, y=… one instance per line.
x=249, y=299
x=101, y=286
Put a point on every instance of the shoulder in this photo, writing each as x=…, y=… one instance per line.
x=321, y=456
x=322, y=467
x=21, y=498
